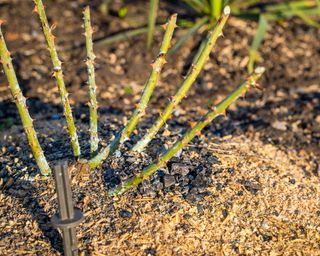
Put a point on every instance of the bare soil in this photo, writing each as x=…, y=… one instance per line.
x=248, y=186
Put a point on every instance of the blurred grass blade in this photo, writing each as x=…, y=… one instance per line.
x=104, y=7
x=198, y=5
x=307, y=19
x=199, y=51
x=300, y=12
x=282, y=7
x=216, y=7
x=237, y=5
x=188, y=34
x=253, y=52
x=252, y=15
x=123, y=35
x=302, y=9
x=152, y=21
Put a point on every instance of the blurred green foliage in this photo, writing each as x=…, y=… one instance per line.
x=123, y=11
x=152, y=20
x=260, y=11
x=128, y=90
x=104, y=6
x=208, y=11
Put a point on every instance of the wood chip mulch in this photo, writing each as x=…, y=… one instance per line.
x=262, y=201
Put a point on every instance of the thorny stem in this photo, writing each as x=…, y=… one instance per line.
x=20, y=102
x=145, y=97
x=187, y=83
x=94, y=139
x=58, y=74
x=207, y=119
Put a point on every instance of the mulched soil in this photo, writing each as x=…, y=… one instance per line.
x=248, y=186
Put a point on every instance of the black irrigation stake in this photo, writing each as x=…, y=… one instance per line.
x=68, y=217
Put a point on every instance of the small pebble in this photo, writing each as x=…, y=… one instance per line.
x=253, y=188
x=125, y=214
x=179, y=168
x=279, y=125
x=292, y=181
x=266, y=238
x=117, y=153
x=168, y=180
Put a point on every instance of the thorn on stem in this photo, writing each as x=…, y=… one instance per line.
x=192, y=124
x=258, y=86
x=53, y=27
x=153, y=65
x=137, y=105
x=249, y=81
x=193, y=67
x=214, y=108
x=35, y=10
x=53, y=37
x=164, y=26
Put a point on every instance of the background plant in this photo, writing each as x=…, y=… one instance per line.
x=205, y=13
x=157, y=66
x=259, y=11
x=152, y=20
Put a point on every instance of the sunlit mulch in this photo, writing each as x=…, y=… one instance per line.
x=262, y=201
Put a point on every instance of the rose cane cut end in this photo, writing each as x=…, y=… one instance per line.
x=226, y=10
x=173, y=16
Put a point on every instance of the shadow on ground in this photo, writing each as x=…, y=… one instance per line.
x=26, y=194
